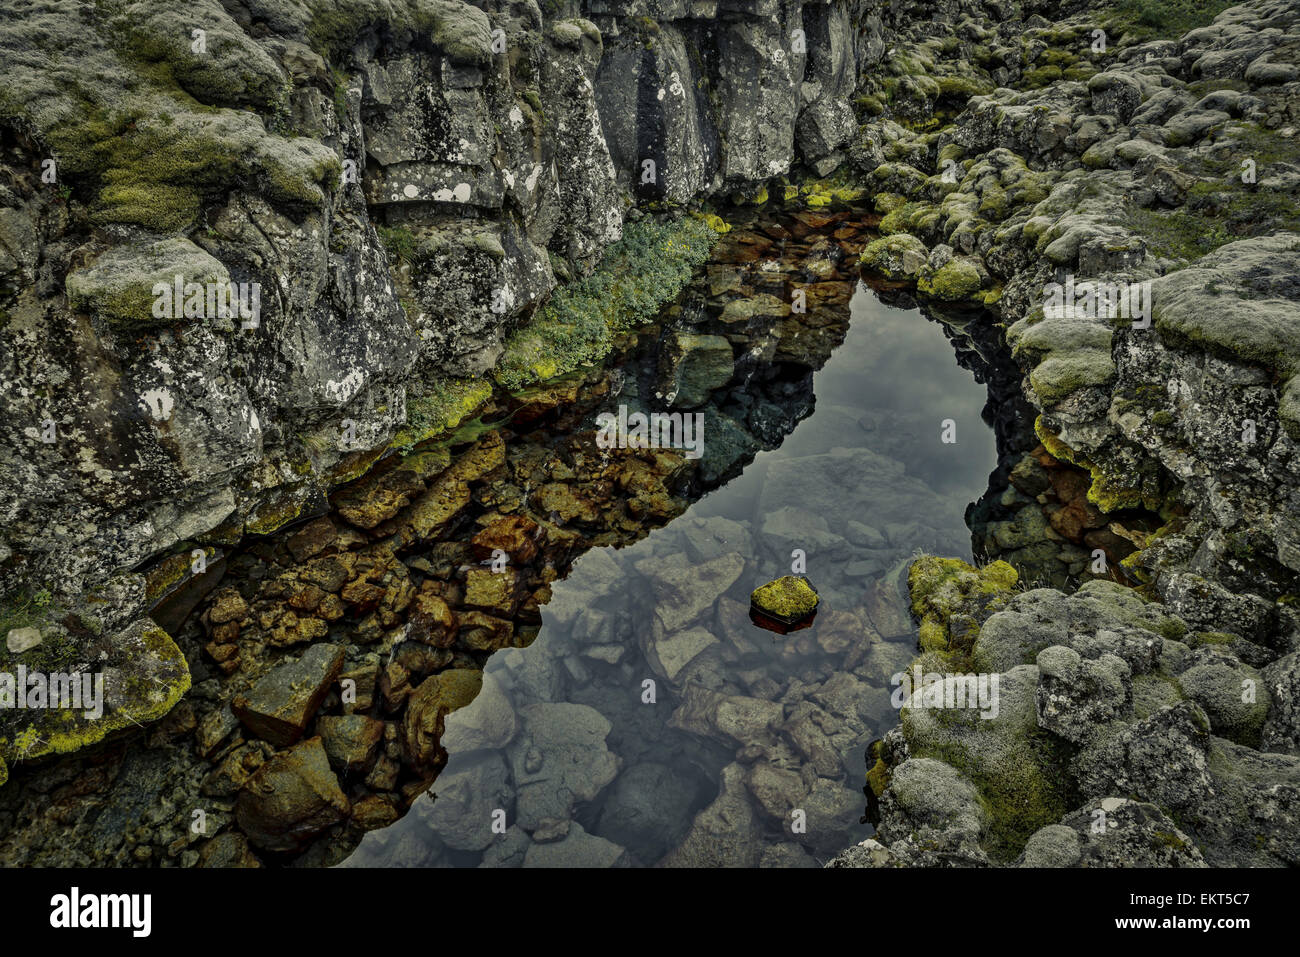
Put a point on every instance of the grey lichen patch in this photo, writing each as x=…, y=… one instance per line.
x=120, y=286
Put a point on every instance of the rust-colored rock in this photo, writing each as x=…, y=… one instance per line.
x=291, y=799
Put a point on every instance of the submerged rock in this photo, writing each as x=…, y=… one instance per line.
x=291, y=799
x=279, y=707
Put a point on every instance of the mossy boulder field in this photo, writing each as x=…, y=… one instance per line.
x=308, y=311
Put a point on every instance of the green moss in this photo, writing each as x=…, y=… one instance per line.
x=27, y=610
x=789, y=598
x=1022, y=790
x=170, y=572
x=648, y=267
x=1103, y=493
x=1196, y=639
x=276, y=513
x=148, y=176
x=882, y=254
x=401, y=244
x=942, y=587
x=1063, y=373
x=154, y=681
x=1040, y=77
x=714, y=222
x=440, y=410
x=878, y=777
x=335, y=27
x=1145, y=19
x=956, y=280
x=870, y=105
x=1151, y=692
x=962, y=88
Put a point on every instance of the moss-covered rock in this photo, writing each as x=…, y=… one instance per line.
x=646, y=268
x=788, y=599
x=1015, y=766
x=956, y=280
x=941, y=588
x=440, y=410
x=900, y=254
x=140, y=677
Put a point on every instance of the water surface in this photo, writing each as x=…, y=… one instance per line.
x=650, y=722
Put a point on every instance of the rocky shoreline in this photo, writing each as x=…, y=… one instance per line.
x=1144, y=725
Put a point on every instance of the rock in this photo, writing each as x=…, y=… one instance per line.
x=291, y=799
x=702, y=364
x=119, y=286
x=1162, y=759
x=1114, y=94
x=463, y=801
x=731, y=719
x=559, y=758
x=1019, y=781
x=279, y=706
x=426, y=712
x=577, y=849
x=213, y=729
x=350, y=740
x=895, y=256
x=1055, y=845
x=516, y=535
x=1281, y=731
x=928, y=795
x=374, y=812
x=227, y=605
x=648, y=809
x=494, y=592
x=1133, y=834
x=683, y=591
x=786, y=857
x=228, y=849
x=482, y=632
x=1233, y=695
x=777, y=791
x=508, y=850
x=487, y=722
x=22, y=639
x=671, y=653
x=789, y=599
x=724, y=834
x=430, y=620
x=1075, y=696
x=830, y=809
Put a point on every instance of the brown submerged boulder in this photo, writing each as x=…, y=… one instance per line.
x=291, y=799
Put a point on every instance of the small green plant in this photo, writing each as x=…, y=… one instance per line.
x=1164, y=18
x=401, y=242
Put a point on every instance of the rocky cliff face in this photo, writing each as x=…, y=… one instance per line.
x=401, y=182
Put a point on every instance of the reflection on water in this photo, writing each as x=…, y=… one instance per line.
x=650, y=722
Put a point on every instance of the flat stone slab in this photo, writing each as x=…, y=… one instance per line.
x=281, y=704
